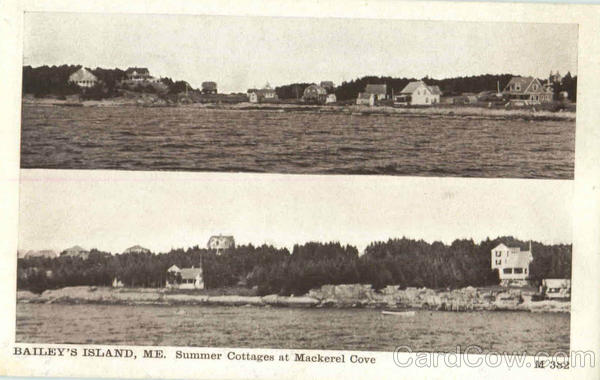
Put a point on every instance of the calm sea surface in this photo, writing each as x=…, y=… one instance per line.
x=341, y=329
x=184, y=138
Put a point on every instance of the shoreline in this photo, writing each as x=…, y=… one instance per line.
x=328, y=296
x=450, y=111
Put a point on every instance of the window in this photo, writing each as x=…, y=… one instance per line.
x=498, y=253
x=518, y=270
x=525, y=270
x=507, y=271
x=498, y=262
x=518, y=87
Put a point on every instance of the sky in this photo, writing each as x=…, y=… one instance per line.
x=247, y=52
x=113, y=210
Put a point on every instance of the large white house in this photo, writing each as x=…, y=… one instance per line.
x=511, y=262
x=418, y=94
x=221, y=243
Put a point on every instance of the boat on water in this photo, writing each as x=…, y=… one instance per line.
x=410, y=313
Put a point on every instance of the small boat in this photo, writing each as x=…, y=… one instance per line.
x=410, y=313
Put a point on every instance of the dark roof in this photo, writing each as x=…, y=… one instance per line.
x=376, y=89
x=190, y=273
x=139, y=70
x=327, y=84
x=524, y=84
x=226, y=237
x=209, y=85
x=313, y=89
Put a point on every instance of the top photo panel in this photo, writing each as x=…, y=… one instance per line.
x=299, y=95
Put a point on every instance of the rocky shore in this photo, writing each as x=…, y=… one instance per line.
x=336, y=296
x=470, y=112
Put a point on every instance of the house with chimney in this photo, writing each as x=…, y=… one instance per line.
x=512, y=264
x=527, y=90
x=418, y=93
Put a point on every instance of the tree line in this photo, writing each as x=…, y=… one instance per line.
x=54, y=81
x=348, y=90
x=404, y=262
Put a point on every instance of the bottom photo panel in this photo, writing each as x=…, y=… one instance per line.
x=362, y=263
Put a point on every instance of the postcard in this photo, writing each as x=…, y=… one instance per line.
x=300, y=190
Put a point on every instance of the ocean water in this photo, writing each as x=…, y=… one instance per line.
x=286, y=328
x=194, y=139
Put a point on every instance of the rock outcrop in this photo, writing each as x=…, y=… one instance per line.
x=341, y=296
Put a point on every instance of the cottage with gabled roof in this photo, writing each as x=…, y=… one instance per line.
x=418, y=93
x=264, y=95
x=83, y=78
x=185, y=278
x=365, y=99
x=379, y=91
x=314, y=94
x=511, y=262
x=527, y=89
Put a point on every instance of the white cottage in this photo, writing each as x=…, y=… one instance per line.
x=185, y=278
x=418, y=94
x=365, y=99
x=511, y=262
x=83, y=78
x=556, y=288
x=379, y=91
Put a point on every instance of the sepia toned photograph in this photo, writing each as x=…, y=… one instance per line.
x=155, y=247
x=211, y=260
x=299, y=95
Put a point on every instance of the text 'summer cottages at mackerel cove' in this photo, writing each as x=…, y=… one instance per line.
x=378, y=243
